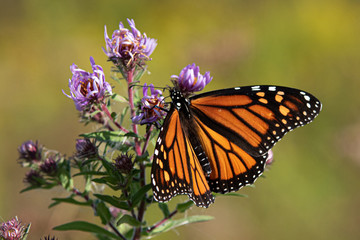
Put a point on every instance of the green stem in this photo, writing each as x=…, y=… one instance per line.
x=106, y=110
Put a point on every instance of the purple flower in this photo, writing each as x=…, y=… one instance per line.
x=151, y=106
x=30, y=151
x=49, y=166
x=12, y=230
x=88, y=88
x=190, y=80
x=128, y=45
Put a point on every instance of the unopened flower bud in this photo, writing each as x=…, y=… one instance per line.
x=124, y=163
x=30, y=151
x=33, y=177
x=49, y=166
x=85, y=149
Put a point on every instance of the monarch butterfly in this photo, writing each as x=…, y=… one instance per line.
x=219, y=141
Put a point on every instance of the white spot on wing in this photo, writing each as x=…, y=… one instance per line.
x=272, y=88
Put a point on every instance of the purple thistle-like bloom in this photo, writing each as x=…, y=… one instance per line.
x=151, y=106
x=128, y=45
x=190, y=80
x=30, y=151
x=12, y=230
x=88, y=88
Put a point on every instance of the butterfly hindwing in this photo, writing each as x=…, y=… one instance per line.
x=231, y=167
x=176, y=168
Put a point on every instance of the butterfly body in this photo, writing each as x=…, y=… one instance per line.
x=218, y=141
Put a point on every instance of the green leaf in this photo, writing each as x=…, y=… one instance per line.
x=94, y=173
x=129, y=220
x=26, y=231
x=139, y=195
x=30, y=188
x=131, y=134
x=118, y=98
x=139, y=72
x=113, y=201
x=165, y=209
x=123, y=113
x=65, y=176
x=182, y=207
x=103, y=212
x=72, y=201
x=171, y=224
x=85, y=227
x=142, y=158
x=105, y=136
x=92, y=114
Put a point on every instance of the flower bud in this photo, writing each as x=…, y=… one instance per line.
x=33, y=177
x=85, y=149
x=30, y=152
x=123, y=163
x=49, y=166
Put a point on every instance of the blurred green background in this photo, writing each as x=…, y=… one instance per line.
x=311, y=190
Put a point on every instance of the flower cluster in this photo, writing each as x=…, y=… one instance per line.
x=88, y=88
x=43, y=163
x=128, y=49
x=152, y=106
x=190, y=79
x=128, y=46
x=12, y=230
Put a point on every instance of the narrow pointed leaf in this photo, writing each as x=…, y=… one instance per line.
x=171, y=224
x=129, y=220
x=139, y=195
x=85, y=227
x=182, y=207
x=113, y=201
x=165, y=209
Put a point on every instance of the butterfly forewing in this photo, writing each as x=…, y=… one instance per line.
x=255, y=117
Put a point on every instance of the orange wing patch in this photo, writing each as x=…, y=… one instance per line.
x=231, y=166
x=223, y=100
